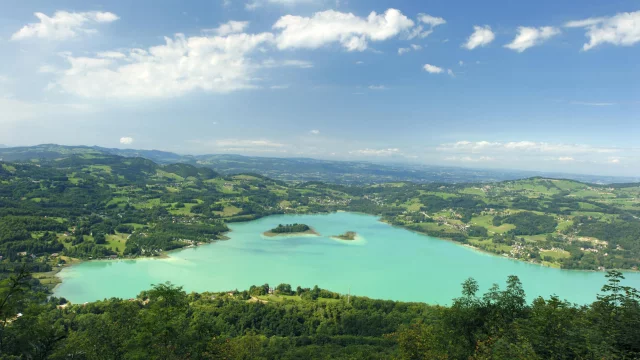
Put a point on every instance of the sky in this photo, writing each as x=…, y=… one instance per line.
x=542, y=85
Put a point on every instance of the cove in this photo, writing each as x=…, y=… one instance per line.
x=385, y=262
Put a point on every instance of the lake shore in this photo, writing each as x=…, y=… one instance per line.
x=310, y=232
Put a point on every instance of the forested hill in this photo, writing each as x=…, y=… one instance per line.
x=62, y=210
x=303, y=169
x=92, y=205
x=282, y=323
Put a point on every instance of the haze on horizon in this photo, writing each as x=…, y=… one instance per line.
x=542, y=86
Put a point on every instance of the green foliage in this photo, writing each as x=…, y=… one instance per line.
x=528, y=223
x=290, y=228
x=167, y=323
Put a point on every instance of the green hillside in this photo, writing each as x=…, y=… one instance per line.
x=108, y=206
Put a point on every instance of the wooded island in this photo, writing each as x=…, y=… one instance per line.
x=290, y=229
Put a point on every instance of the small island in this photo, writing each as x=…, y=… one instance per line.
x=291, y=229
x=348, y=236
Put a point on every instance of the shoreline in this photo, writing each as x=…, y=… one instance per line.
x=310, y=232
x=165, y=254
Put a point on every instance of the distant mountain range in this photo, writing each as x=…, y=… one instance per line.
x=301, y=169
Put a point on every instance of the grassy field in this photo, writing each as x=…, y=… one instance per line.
x=117, y=242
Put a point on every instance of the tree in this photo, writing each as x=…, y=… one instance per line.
x=100, y=238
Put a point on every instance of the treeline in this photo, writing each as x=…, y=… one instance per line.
x=290, y=228
x=167, y=323
x=528, y=223
x=168, y=236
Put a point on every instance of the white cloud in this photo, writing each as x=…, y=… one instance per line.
x=432, y=69
x=450, y=73
x=298, y=63
x=523, y=146
x=351, y=31
x=214, y=64
x=469, y=158
x=63, y=25
x=566, y=158
x=250, y=6
x=315, y=132
x=377, y=87
x=622, y=29
x=231, y=27
x=377, y=152
x=407, y=49
x=482, y=36
x=47, y=69
x=279, y=87
x=614, y=160
x=111, y=55
x=529, y=36
x=461, y=63
x=359, y=62
x=126, y=140
x=429, y=20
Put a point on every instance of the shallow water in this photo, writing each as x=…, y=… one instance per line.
x=384, y=262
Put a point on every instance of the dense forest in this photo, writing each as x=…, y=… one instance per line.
x=266, y=323
x=290, y=228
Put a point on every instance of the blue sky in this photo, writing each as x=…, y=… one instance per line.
x=543, y=85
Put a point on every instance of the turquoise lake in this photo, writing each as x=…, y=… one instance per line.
x=385, y=262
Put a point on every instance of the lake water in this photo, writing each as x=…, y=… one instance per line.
x=385, y=262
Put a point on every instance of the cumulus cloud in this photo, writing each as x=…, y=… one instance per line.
x=63, y=25
x=482, y=36
x=529, y=36
x=432, y=69
x=522, y=146
x=126, y=140
x=230, y=27
x=183, y=64
x=315, y=132
x=377, y=152
x=622, y=29
x=351, y=31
